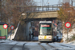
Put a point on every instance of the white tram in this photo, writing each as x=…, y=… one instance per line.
x=46, y=33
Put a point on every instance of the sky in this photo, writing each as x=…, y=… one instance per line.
x=51, y=2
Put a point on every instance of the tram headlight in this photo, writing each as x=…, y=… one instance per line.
x=49, y=37
x=41, y=37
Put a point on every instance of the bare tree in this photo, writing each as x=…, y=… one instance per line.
x=12, y=10
x=66, y=14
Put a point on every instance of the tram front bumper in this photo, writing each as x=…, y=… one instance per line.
x=45, y=39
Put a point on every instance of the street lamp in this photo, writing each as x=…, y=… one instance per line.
x=23, y=13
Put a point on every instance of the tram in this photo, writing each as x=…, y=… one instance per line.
x=46, y=32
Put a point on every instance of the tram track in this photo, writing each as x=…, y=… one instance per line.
x=60, y=46
x=24, y=48
x=43, y=48
x=52, y=46
x=15, y=46
x=49, y=46
x=38, y=46
x=65, y=45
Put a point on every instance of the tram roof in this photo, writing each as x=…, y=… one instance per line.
x=45, y=22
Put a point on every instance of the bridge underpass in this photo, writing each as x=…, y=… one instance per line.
x=26, y=28
x=29, y=26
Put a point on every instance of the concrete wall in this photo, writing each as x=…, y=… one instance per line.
x=23, y=32
x=20, y=34
x=28, y=30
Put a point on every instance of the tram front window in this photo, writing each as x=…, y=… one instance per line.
x=45, y=29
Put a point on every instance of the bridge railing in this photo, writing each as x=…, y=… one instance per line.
x=44, y=8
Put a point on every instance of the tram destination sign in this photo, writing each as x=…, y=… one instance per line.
x=45, y=25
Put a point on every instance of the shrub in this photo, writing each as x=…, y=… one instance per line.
x=72, y=38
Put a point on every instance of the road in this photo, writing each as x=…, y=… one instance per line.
x=15, y=45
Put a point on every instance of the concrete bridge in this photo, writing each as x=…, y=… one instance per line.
x=48, y=15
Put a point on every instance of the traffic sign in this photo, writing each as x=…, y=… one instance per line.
x=5, y=26
x=12, y=27
x=67, y=24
